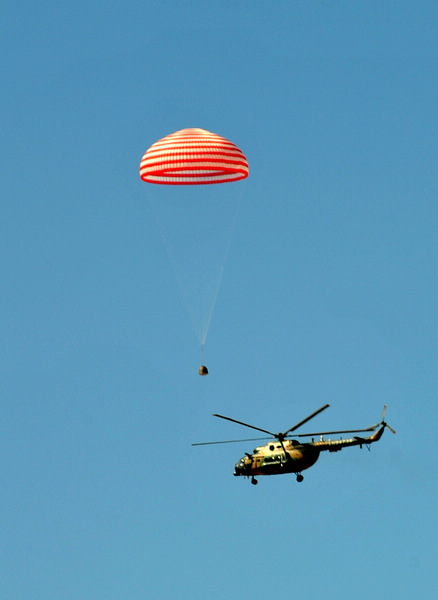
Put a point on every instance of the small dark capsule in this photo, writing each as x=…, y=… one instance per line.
x=203, y=370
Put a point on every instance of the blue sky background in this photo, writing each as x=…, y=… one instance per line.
x=329, y=295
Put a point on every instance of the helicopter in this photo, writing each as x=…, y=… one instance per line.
x=285, y=455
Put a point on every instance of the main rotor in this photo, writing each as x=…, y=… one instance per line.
x=281, y=436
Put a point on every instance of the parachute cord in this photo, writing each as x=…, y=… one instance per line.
x=206, y=325
x=200, y=309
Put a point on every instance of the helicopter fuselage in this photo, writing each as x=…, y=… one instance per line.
x=275, y=458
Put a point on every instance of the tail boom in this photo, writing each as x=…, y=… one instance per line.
x=336, y=445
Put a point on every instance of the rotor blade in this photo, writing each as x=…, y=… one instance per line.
x=307, y=419
x=244, y=424
x=380, y=424
x=229, y=441
x=333, y=432
x=383, y=422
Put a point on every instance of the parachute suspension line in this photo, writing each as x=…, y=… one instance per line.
x=198, y=270
x=207, y=320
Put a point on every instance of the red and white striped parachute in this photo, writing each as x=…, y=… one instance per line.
x=193, y=156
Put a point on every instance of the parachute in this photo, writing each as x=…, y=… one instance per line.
x=193, y=156
x=195, y=221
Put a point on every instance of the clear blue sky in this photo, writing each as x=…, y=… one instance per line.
x=329, y=295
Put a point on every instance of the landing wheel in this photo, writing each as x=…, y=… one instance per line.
x=300, y=478
x=254, y=481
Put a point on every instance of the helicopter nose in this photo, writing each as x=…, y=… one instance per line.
x=239, y=468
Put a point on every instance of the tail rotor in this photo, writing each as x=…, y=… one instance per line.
x=383, y=423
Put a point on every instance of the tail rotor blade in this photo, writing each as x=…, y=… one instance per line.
x=383, y=422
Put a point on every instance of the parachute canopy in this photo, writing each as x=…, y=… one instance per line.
x=193, y=156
